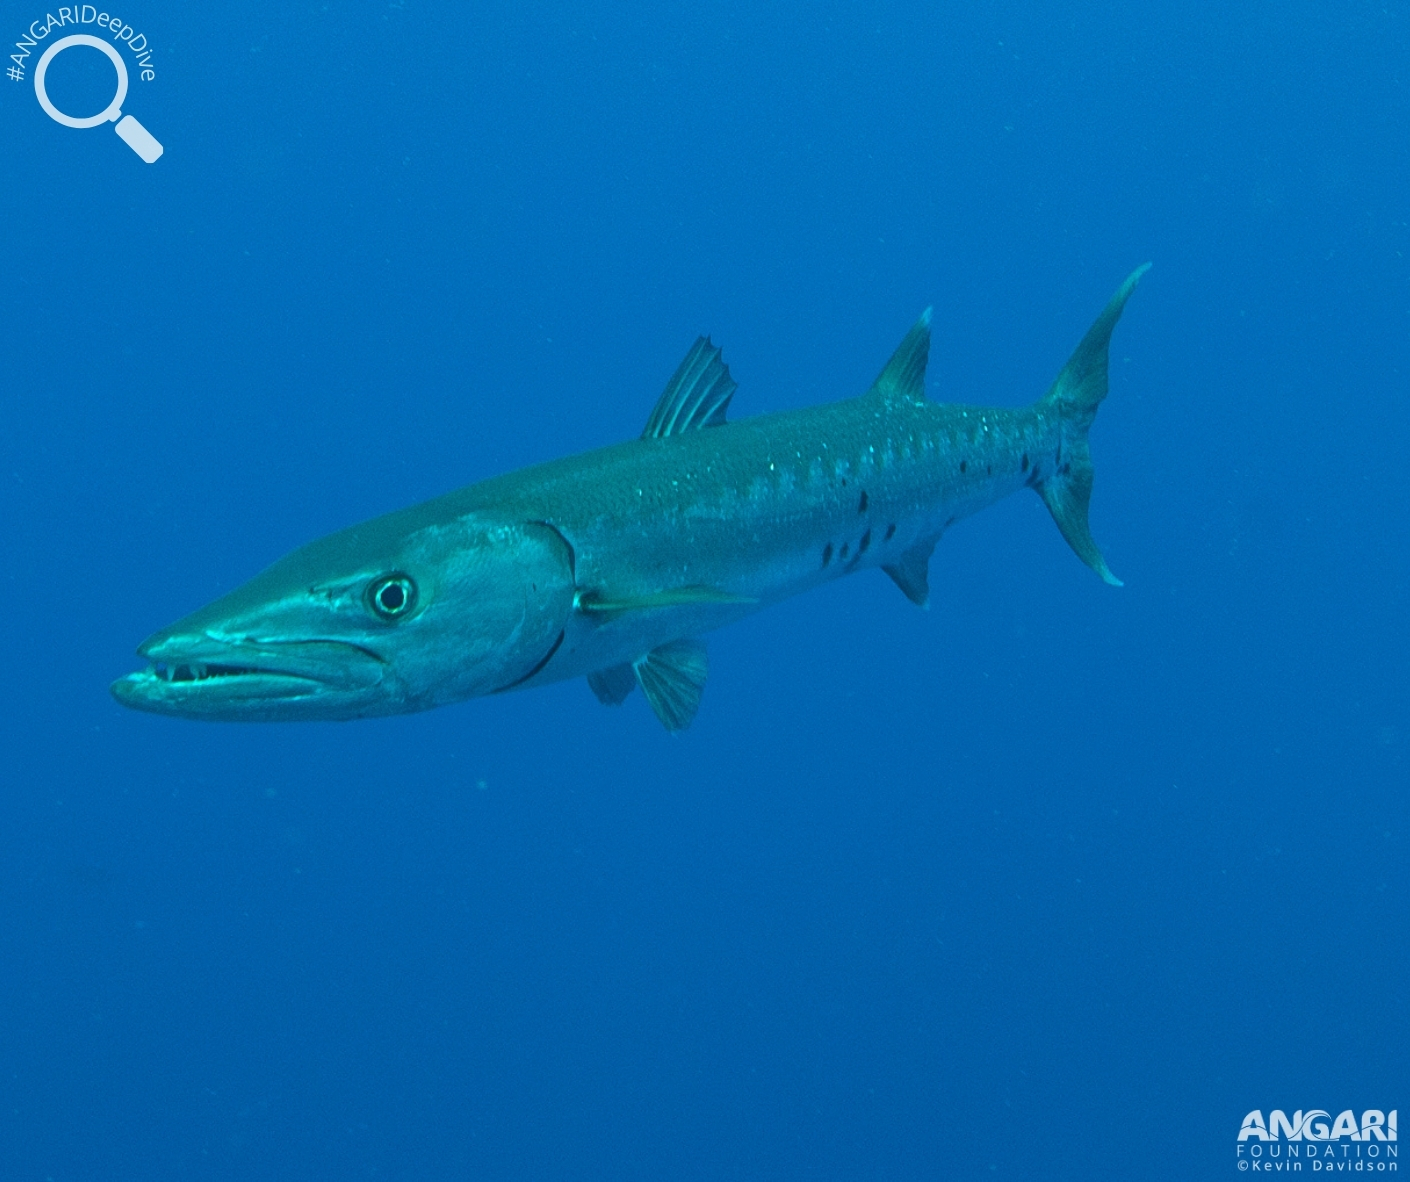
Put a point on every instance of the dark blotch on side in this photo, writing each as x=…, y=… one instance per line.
x=827, y=554
x=1066, y=468
x=989, y=470
x=964, y=466
x=864, y=543
x=862, y=502
x=1025, y=463
x=890, y=531
x=842, y=554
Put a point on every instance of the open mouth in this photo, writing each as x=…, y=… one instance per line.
x=219, y=689
x=205, y=676
x=206, y=671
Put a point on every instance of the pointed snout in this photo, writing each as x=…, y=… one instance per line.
x=201, y=675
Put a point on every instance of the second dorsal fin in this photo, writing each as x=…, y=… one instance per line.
x=904, y=375
x=696, y=396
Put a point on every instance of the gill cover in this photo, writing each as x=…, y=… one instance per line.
x=497, y=605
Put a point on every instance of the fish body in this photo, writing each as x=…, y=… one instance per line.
x=611, y=564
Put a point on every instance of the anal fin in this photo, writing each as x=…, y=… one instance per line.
x=672, y=677
x=612, y=685
x=911, y=572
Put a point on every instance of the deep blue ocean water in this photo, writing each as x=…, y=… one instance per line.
x=1053, y=881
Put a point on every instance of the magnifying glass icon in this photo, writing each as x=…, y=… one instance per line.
x=132, y=133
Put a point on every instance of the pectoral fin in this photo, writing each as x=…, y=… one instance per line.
x=911, y=572
x=673, y=677
x=604, y=603
x=612, y=685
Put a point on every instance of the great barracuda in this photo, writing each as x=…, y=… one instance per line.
x=609, y=565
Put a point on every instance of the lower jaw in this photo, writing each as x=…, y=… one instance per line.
x=254, y=699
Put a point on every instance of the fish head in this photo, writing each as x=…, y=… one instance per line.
x=377, y=619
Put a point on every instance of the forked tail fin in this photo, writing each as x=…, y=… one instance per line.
x=1076, y=394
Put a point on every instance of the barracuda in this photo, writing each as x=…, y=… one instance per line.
x=610, y=565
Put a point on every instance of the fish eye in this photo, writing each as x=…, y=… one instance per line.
x=391, y=596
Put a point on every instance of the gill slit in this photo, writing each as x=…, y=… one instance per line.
x=536, y=670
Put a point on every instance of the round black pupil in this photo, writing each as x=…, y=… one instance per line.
x=392, y=597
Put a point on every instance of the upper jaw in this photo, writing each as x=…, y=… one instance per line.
x=205, y=675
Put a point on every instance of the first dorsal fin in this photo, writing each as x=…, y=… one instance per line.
x=696, y=396
x=904, y=375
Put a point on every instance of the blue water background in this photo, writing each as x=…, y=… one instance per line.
x=1052, y=881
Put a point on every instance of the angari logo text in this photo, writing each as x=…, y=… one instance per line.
x=1320, y=1141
